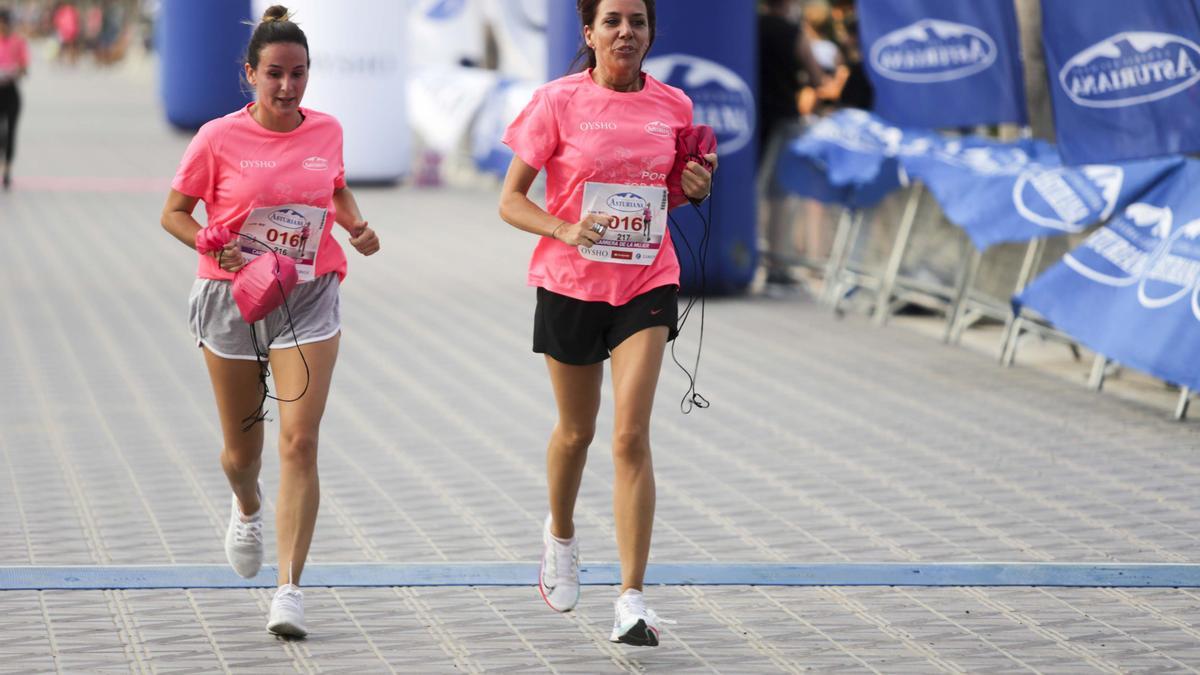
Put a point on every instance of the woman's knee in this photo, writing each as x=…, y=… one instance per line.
x=241, y=458
x=575, y=437
x=298, y=449
x=631, y=446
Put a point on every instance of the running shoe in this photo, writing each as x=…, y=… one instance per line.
x=634, y=623
x=244, y=540
x=558, y=579
x=287, y=612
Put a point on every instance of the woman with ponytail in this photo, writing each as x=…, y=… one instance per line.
x=266, y=174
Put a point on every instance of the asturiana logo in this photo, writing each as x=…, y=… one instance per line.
x=1115, y=255
x=315, y=164
x=1144, y=249
x=1131, y=68
x=1068, y=199
x=287, y=218
x=657, y=128
x=628, y=202
x=932, y=50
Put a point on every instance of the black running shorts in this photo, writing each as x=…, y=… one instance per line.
x=579, y=332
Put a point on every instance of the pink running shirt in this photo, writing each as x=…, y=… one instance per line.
x=234, y=165
x=14, y=55
x=580, y=132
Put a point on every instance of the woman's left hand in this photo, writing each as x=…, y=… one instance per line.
x=696, y=181
x=363, y=238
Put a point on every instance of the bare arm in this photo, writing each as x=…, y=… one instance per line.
x=347, y=208
x=177, y=217
x=362, y=237
x=518, y=210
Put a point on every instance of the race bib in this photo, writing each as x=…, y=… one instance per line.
x=293, y=230
x=639, y=222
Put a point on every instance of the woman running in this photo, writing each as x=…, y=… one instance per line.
x=607, y=279
x=14, y=64
x=271, y=158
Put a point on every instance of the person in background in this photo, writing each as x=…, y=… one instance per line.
x=786, y=67
x=856, y=91
x=67, y=28
x=14, y=65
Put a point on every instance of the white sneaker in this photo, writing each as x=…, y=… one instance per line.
x=244, y=540
x=634, y=624
x=287, y=612
x=558, y=579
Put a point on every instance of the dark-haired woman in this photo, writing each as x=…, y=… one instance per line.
x=272, y=154
x=606, y=279
x=14, y=63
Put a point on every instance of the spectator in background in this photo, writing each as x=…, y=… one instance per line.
x=856, y=91
x=786, y=67
x=113, y=38
x=14, y=63
x=66, y=27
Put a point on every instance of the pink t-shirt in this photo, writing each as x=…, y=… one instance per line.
x=234, y=165
x=14, y=55
x=66, y=22
x=580, y=132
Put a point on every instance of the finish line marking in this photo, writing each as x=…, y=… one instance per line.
x=136, y=577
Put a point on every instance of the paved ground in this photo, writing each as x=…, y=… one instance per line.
x=827, y=441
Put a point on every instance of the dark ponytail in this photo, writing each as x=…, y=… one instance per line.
x=587, y=17
x=276, y=26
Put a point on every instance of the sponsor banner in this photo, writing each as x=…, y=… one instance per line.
x=1124, y=77
x=1131, y=291
x=1013, y=192
x=506, y=100
x=937, y=64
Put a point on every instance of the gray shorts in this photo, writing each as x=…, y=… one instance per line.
x=216, y=323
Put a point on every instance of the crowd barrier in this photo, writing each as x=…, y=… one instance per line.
x=1123, y=81
x=1012, y=192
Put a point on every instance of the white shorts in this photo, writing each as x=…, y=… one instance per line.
x=217, y=324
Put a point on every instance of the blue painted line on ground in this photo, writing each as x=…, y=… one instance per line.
x=132, y=577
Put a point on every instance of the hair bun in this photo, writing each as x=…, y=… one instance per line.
x=275, y=13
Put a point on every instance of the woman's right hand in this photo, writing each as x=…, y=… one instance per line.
x=229, y=257
x=584, y=233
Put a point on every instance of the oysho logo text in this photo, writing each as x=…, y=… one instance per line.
x=597, y=126
x=258, y=164
x=1131, y=68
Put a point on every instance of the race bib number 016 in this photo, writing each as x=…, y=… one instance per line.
x=293, y=230
x=639, y=222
